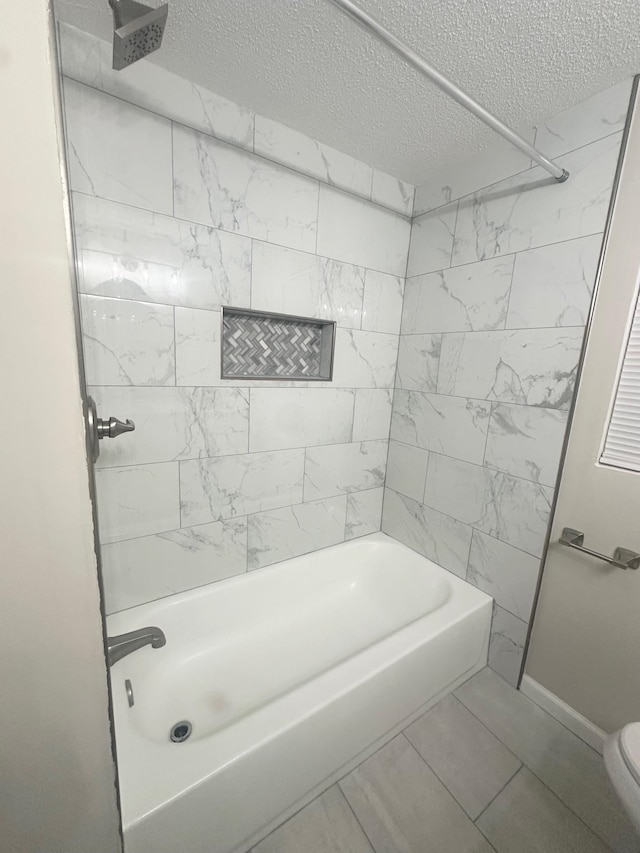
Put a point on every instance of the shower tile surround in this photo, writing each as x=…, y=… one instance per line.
x=224, y=476
x=500, y=273
x=177, y=212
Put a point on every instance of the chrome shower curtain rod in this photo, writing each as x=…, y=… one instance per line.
x=413, y=58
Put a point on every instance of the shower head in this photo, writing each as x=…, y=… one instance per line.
x=138, y=30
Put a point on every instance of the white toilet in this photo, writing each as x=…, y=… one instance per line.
x=622, y=760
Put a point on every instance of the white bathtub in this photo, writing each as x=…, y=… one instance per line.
x=290, y=676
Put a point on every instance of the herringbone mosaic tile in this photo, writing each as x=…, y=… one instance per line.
x=270, y=346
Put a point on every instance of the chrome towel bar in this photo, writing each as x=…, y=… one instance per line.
x=622, y=558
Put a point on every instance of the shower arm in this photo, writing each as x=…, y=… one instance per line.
x=449, y=88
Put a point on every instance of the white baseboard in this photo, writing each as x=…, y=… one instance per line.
x=563, y=713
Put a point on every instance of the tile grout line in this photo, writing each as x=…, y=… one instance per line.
x=229, y=518
x=529, y=702
x=236, y=145
x=238, y=234
x=566, y=805
x=351, y=809
x=414, y=749
x=497, y=257
x=510, y=293
x=218, y=309
x=453, y=235
x=508, y=782
x=482, y=189
x=464, y=524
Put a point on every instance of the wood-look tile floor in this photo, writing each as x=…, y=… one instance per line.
x=484, y=770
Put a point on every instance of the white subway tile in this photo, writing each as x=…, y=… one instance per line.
x=340, y=468
x=137, y=501
x=280, y=534
x=152, y=567
x=382, y=307
x=217, y=184
x=173, y=423
x=89, y=60
x=116, y=150
x=358, y=232
x=290, y=282
x=127, y=343
x=292, y=148
x=364, y=513
x=213, y=489
x=432, y=240
x=136, y=254
x=299, y=417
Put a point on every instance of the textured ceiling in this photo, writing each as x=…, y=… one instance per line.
x=305, y=64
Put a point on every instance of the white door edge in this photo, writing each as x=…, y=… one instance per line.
x=563, y=713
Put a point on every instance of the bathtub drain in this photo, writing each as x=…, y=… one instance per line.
x=180, y=731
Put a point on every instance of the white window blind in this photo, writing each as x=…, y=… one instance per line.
x=622, y=446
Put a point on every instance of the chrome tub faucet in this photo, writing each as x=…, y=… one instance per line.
x=122, y=645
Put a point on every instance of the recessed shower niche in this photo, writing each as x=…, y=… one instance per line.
x=264, y=345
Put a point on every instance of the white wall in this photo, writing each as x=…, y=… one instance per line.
x=58, y=785
x=499, y=285
x=182, y=205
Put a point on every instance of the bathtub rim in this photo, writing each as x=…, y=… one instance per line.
x=193, y=763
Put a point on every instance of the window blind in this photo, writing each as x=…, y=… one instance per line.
x=622, y=446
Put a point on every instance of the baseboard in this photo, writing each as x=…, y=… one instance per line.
x=563, y=713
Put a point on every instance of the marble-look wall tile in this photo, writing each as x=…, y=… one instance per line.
x=470, y=298
x=137, y=501
x=597, y=117
x=432, y=240
x=109, y=150
x=136, y=254
x=299, y=417
x=292, y=148
x=498, y=161
x=364, y=513
x=88, y=59
x=552, y=285
x=159, y=256
x=213, y=489
x=372, y=413
x=532, y=209
x=290, y=282
x=358, y=232
x=510, y=509
x=197, y=347
x=506, y=644
x=534, y=367
x=217, y=184
x=438, y=537
x=526, y=441
x=340, y=468
x=127, y=343
x=407, y=469
x=382, y=306
x=173, y=423
x=454, y=426
x=418, y=361
x=364, y=359
x=280, y=534
x=507, y=574
x=392, y=192
x=151, y=567
x=198, y=355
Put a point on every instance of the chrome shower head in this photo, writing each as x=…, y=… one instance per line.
x=138, y=30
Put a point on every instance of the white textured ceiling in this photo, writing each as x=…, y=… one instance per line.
x=305, y=64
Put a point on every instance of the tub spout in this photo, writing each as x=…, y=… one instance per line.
x=123, y=644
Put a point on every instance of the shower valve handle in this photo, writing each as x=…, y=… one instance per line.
x=113, y=427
